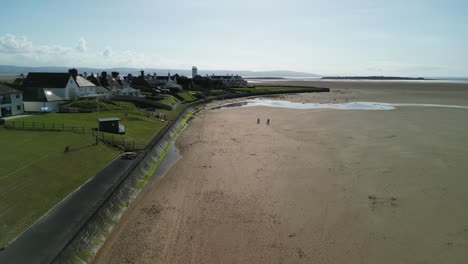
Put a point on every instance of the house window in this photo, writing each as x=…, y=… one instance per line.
x=18, y=107
x=17, y=96
x=6, y=111
x=6, y=99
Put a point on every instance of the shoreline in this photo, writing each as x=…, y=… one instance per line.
x=348, y=188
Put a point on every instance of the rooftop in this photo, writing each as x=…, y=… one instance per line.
x=46, y=80
x=82, y=82
x=108, y=119
x=4, y=90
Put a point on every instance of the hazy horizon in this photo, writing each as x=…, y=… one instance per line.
x=398, y=38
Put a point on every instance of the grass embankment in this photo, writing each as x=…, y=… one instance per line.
x=36, y=174
x=168, y=100
x=188, y=97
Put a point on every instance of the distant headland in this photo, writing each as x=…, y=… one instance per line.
x=372, y=78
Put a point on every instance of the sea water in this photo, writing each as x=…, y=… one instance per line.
x=338, y=106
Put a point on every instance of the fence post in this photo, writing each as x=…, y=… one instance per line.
x=53, y=125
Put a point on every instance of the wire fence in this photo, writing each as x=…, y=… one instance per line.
x=117, y=141
x=121, y=142
x=43, y=126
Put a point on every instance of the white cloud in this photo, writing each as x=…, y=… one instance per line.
x=20, y=51
x=82, y=45
x=107, y=52
x=12, y=44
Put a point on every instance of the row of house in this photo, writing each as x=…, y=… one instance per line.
x=45, y=91
x=154, y=81
x=230, y=80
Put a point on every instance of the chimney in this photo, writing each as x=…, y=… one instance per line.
x=115, y=74
x=142, y=74
x=104, y=74
x=85, y=75
x=73, y=72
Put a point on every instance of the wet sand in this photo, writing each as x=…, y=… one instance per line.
x=316, y=186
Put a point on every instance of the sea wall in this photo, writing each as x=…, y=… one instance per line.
x=85, y=244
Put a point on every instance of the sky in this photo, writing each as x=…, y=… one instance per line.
x=328, y=37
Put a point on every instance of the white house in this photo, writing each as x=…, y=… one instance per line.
x=172, y=84
x=85, y=88
x=230, y=80
x=11, y=101
x=45, y=91
x=118, y=85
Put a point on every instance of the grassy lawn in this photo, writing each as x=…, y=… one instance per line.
x=172, y=115
x=188, y=97
x=138, y=125
x=168, y=100
x=35, y=173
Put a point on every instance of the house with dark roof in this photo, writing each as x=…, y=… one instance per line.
x=45, y=91
x=11, y=101
x=166, y=82
x=96, y=80
x=230, y=80
x=118, y=86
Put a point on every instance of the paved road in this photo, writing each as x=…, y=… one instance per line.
x=47, y=237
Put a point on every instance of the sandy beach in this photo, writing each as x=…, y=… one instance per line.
x=315, y=186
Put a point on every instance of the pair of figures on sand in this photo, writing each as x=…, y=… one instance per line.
x=268, y=121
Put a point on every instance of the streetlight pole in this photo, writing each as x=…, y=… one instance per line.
x=98, y=129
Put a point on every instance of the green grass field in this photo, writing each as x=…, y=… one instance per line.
x=36, y=174
x=168, y=100
x=188, y=97
x=138, y=125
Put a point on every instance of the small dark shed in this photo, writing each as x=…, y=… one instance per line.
x=111, y=125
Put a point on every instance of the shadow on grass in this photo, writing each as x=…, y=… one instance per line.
x=69, y=149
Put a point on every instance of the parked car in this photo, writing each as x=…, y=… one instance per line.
x=128, y=155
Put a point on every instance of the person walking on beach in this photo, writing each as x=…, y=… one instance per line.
x=268, y=122
x=258, y=121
